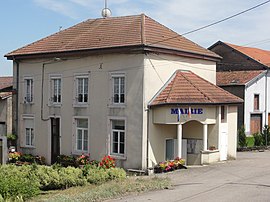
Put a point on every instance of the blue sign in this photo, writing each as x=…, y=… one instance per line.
x=186, y=111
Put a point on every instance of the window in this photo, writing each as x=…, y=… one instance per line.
x=82, y=89
x=56, y=90
x=118, y=137
x=82, y=135
x=256, y=102
x=28, y=97
x=223, y=114
x=118, y=94
x=29, y=132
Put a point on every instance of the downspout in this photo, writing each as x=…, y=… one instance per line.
x=17, y=99
x=266, y=106
x=42, y=94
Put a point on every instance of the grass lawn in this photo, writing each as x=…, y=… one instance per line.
x=109, y=190
x=250, y=141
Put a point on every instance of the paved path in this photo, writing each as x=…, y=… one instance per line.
x=246, y=179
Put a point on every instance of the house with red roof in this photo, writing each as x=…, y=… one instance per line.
x=244, y=72
x=126, y=86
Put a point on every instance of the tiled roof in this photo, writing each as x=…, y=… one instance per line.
x=262, y=56
x=236, y=77
x=188, y=88
x=6, y=82
x=113, y=32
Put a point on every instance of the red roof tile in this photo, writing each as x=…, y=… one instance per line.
x=112, y=33
x=262, y=56
x=236, y=77
x=6, y=82
x=188, y=88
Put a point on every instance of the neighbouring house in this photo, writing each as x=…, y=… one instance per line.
x=128, y=87
x=244, y=72
x=6, y=84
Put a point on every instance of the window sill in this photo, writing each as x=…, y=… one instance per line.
x=55, y=105
x=118, y=157
x=28, y=147
x=78, y=153
x=117, y=106
x=80, y=105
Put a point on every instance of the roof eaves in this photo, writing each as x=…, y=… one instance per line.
x=254, y=79
x=197, y=103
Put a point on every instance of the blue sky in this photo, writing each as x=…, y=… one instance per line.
x=25, y=21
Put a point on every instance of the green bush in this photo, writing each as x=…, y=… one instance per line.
x=17, y=182
x=97, y=176
x=258, y=140
x=116, y=173
x=266, y=135
x=242, y=137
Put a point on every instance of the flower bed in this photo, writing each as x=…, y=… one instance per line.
x=171, y=165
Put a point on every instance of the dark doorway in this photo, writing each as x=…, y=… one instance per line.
x=55, y=139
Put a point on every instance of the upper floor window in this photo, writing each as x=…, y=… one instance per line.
x=118, y=94
x=223, y=114
x=56, y=90
x=82, y=89
x=28, y=96
x=256, y=102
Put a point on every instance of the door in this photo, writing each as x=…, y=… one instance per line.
x=55, y=139
x=269, y=119
x=223, y=146
x=255, y=123
x=169, y=154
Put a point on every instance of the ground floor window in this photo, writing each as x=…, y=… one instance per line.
x=82, y=135
x=118, y=137
x=29, y=131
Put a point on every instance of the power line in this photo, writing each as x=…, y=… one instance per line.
x=214, y=23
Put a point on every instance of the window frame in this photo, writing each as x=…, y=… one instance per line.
x=31, y=89
x=76, y=89
x=256, y=108
x=32, y=131
x=75, y=134
x=117, y=155
x=112, y=77
x=53, y=78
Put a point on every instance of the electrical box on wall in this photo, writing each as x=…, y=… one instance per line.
x=3, y=150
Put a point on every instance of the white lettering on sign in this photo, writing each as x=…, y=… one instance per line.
x=187, y=111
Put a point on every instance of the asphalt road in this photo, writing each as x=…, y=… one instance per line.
x=245, y=179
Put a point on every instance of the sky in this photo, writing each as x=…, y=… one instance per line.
x=25, y=21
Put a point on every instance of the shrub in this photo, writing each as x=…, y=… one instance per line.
x=66, y=161
x=116, y=173
x=17, y=182
x=14, y=156
x=242, y=137
x=83, y=159
x=97, y=176
x=266, y=135
x=107, y=162
x=258, y=140
x=70, y=176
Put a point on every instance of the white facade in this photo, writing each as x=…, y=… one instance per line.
x=99, y=105
x=260, y=86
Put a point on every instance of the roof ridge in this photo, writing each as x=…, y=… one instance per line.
x=197, y=87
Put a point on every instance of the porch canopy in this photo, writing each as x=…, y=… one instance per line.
x=187, y=97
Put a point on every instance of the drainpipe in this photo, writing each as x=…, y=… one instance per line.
x=17, y=98
x=266, y=106
x=42, y=94
x=147, y=142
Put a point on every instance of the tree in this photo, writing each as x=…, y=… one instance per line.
x=266, y=135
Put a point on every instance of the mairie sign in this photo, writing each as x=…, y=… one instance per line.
x=187, y=111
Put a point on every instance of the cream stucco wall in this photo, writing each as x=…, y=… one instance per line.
x=98, y=111
x=232, y=131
